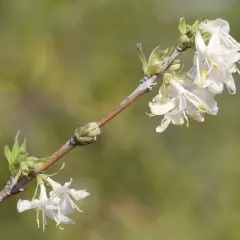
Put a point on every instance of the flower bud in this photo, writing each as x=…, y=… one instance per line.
x=87, y=134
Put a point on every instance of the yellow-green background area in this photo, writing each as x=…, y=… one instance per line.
x=65, y=63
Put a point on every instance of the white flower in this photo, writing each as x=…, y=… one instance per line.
x=65, y=194
x=211, y=77
x=181, y=100
x=223, y=27
x=49, y=207
x=215, y=63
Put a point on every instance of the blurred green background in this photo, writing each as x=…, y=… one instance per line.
x=65, y=63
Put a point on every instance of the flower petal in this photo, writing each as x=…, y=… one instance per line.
x=64, y=219
x=66, y=206
x=78, y=194
x=23, y=205
x=164, y=124
x=161, y=108
x=199, y=42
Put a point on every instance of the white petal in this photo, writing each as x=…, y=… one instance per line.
x=213, y=46
x=178, y=87
x=161, y=108
x=204, y=100
x=229, y=81
x=62, y=219
x=66, y=206
x=43, y=193
x=54, y=185
x=215, y=87
x=80, y=194
x=177, y=117
x=67, y=184
x=196, y=116
x=164, y=124
x=223, y=24
x=199, y=42
x=211, y=26
x=23, y=205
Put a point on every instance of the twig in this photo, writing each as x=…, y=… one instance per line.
x=146, y=85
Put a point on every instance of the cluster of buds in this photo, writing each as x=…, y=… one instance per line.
x=184, y=95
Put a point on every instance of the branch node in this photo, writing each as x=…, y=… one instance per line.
x=73, y=141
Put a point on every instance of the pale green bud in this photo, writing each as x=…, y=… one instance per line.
x=87, y=134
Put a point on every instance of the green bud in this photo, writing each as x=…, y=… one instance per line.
x=184, y=42
x=187, y=33
x=174, y=67
x=24, y=169
x=166, y=77
x=87, y=134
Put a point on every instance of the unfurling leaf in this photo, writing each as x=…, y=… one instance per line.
x=142, y=57
x=182, y=26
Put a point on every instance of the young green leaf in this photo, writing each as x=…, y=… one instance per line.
x=182, y=26
x=142, y=57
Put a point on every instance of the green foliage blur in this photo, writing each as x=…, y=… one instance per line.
x=64, y=63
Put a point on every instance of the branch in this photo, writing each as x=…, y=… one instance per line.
x=145, y=86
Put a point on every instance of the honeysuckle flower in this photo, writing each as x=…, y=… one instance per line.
x=66, y=195
x=182, y=99
x=49, y=207
x=213, y=78
x=223, y=27
x=215, y=63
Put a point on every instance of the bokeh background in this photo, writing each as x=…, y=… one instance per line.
x=64, y=63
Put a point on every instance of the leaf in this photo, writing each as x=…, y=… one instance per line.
x=156, y=56
x=15, y=149
x=142, y=57
x=182, y=26
x=8, y=154
x=153, y=69
x=23, y=146
x=17, y=175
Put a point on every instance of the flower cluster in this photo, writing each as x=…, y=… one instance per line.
x=57, y=205
x=191, y=94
